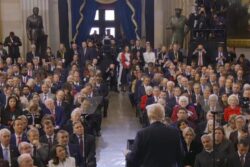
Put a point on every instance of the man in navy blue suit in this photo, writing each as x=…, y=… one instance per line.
x=8, y=151
x=73, y=150
x=156, y=145
x=18, y=136
x=55, y=111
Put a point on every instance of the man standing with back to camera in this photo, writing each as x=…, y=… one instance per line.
x=156, y=145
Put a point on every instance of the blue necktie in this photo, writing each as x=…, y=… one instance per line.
x=6, y=154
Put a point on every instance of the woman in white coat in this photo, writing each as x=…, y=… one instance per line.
x=60, y=158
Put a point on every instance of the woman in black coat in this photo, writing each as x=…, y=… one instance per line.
x=11, y=111
x=191, y=147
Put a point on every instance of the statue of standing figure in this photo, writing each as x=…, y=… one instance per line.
x=177, y=25
x=35, y=32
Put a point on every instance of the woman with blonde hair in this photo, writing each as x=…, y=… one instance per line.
x=190, y=146
x=233, y=107
x=33, y=114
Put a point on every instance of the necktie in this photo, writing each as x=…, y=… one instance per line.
x=176, y=55
x=6, y=154
x=50, y=141
x=19, y=140
x=45, y=97
x=205, y=102
x=200, y=62
x=81, y=145
x=242, y=162
x=68, y=150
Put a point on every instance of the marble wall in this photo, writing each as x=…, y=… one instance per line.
x=164, y=9
x=13, y=14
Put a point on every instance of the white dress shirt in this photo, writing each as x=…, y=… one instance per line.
x=149, y=57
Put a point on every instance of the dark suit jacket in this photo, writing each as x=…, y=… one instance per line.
x=140, y=92
x=89, y=148
x=204, y=58
x=155, y=146
x=59, y=115
x=13, y=155
x=172, y=56
x=44, y=139
x=83, y=57
x=223, y=91
x=234, y=160
x=75, y=152
x=13, y=139
x=189, y=158
x=30, y=56
x=91, y=54
x=13, y=48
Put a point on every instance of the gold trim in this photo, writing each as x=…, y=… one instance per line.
x=240, y=43
x=80, y=20
x=106, y=1
x=133, y=18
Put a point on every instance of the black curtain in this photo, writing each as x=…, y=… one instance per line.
x=149, y=21
x=63, y=22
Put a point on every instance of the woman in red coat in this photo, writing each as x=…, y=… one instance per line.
x=184, y=103
x=144, y=99
x=233, y=107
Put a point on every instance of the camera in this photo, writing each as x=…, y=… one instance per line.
x=245, y=104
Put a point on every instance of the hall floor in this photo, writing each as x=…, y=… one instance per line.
x=120, y=125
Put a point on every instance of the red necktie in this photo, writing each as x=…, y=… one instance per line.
x=19, y=140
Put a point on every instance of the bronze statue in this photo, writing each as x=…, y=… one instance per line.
x=177, y=25
x=35, y=32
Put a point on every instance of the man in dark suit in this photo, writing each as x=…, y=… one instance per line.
x=13, y=42
x=91, y=52
x=241, y=158
x=83, y=51
x=73, y=51
x=85, y=142
x=72, y=149
x=18, y=136
x=205, y=158
x=49, y=137
x=56, y=112
x=140, y=89
x=8, y=152
x=60, y=102
x=32, y=53
x=220, y=56
x=103, y=90
x=200, y=57
x=175, y=55
x=153, y=144
x=41, y=151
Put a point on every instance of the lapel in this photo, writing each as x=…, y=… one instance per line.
x=1, y=152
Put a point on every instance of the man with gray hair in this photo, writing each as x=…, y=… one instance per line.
x=25, y=160
x=205, y=158
x=27, y=148
x=156, y=142
x=8, y=152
